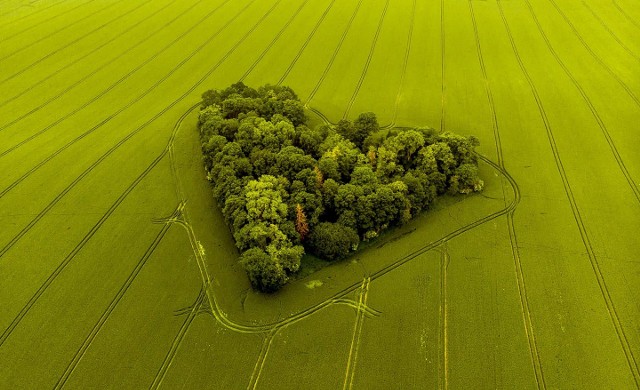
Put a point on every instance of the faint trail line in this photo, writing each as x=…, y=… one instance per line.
x=365, y=309
x=122, y=141
x=626, y=347
x=534, y=353
x=613, y=35
x=306, y=42
x=274, y=40
x=97, y=48
x=400, y=87
x=114, y=85
x=442, y=66
x=177, y=341
x=114, y=303
x=45, y=285
x=7, y=37
x=594, y=55
x=262, y=358
x=372, y=50
x=404, y=67
x=357, y=333
x=594, y=111
x=338, y=297
x=23, y=69
x=109, y=5
x=335, y=54
x=625, y=14
x=444, y=318
x=243, y=328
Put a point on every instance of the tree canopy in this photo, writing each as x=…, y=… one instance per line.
x=285, y=188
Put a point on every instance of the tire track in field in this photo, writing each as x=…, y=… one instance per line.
x=175, y=218
x=363, y=75
x=23, y=69
x=275, y=38
x=65, y=262
x=114, y=303
x=445, y=259
x=625, y=14
x=177, y=341
x=18, y=5
x=105, y=91
x=594, y=55
x=168, y=150
x=525, y=308
x=35, y=13
x=367, y=311
x=404, y=67
x=7, y=37
x=262, y=358
x=400, y=87
x=306, y=42
x=97, y=48
x=337, y=297
x=613, y=314
x=352, y=358
x=442, y=67
x=126, y=106
x=69, y=87
x=594, y=112
x=221, y=317
x=109, y=5
x=334, y=55
x=613, y=35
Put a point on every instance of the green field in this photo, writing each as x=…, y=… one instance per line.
x=116, y=268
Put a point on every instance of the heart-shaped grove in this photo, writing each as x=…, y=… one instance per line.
x=286, y=189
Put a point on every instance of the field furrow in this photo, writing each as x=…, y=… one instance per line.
x=118, y=271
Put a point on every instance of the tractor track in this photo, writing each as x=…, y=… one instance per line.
x=608, y=29
x=594, y=112
x=525, y=307
x=595, y=265
x=274, y=40
x=113, y=85
x=107, y=313
x=306, y=42
x=4, y=57
x=372, y=50
x=334, y=55
x=94, y=50
x=6, y=38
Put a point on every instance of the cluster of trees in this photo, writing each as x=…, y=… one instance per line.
x=285, y=188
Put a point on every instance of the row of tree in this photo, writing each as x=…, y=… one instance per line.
x=285, y=188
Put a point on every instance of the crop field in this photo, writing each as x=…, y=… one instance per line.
x=116, y=268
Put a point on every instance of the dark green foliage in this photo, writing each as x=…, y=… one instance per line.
x=339, y=183
x=333, y=241
x=265, y=275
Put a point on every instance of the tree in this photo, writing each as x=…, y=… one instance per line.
x=291, y=160
x=344, y=127
x=281, y=184
x=364, y=176
x=365, y=125
x=302, y=227
x=405, y=145
x=264, y=200
x=265, y=275
x=333, y=241
x=465, y=180
x=387, y=165
x=259, y=234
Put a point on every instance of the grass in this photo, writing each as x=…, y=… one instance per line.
x=108, y=280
